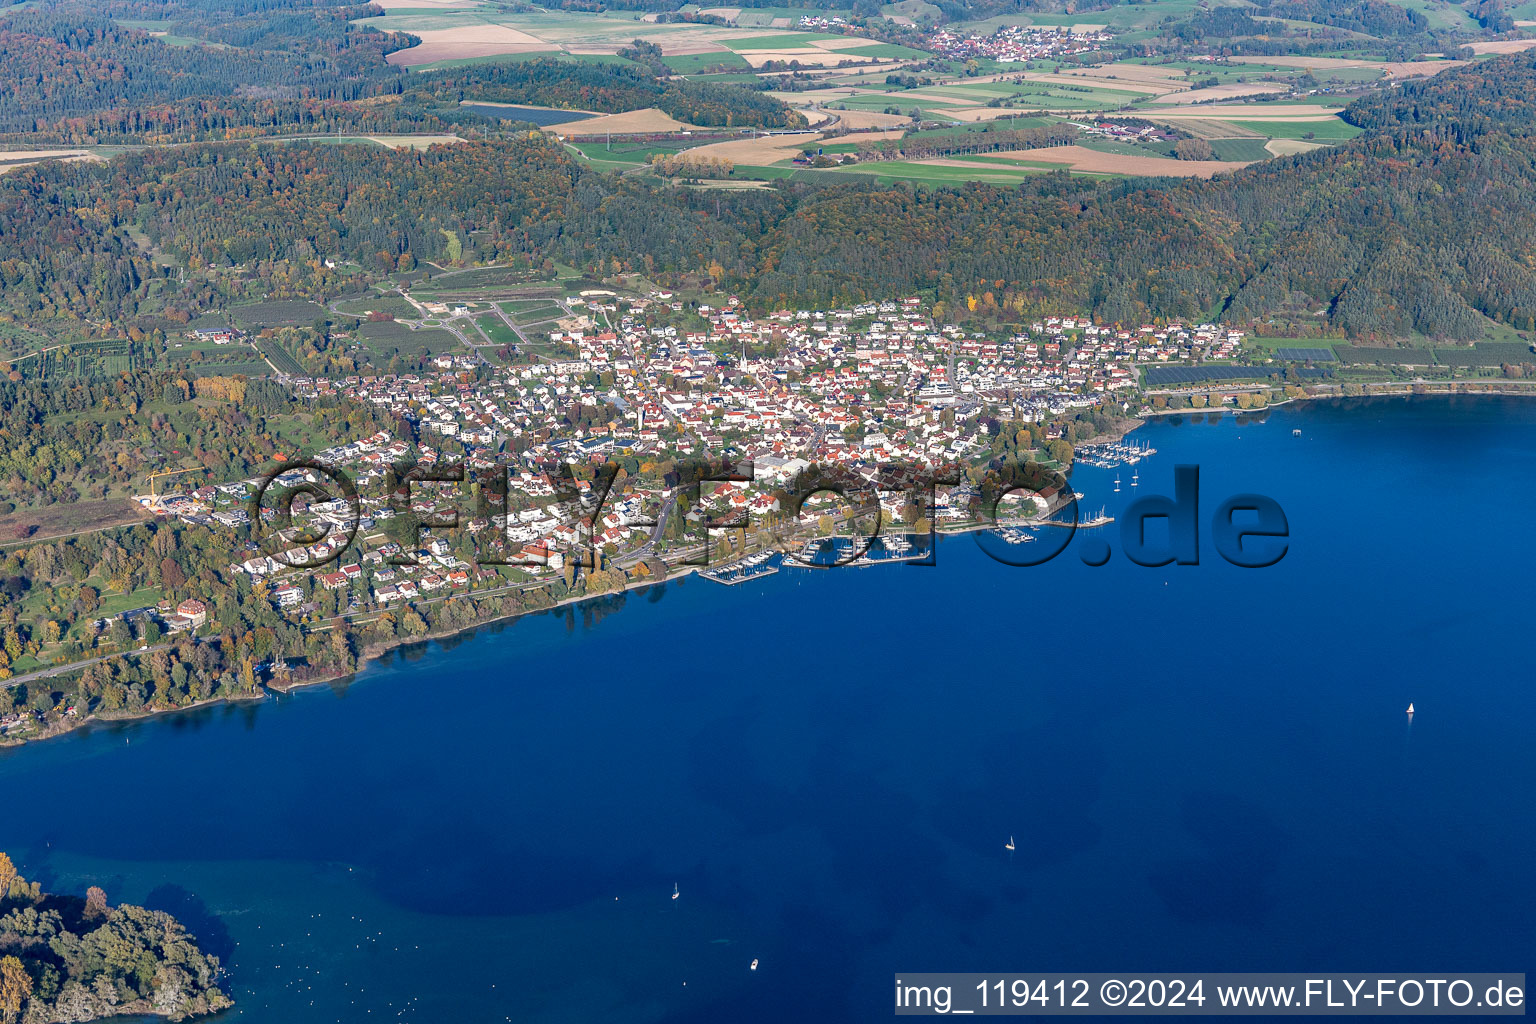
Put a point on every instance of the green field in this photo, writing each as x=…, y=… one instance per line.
x=981, y=126
x=1026, y=96
x=534, y=314
x=1239, y=149
x=626, y=152
x=787, y=41
x=393, y=305
x=885, y=51
x=278, y=357
x=481, y=277
x=1347, y=76
x=918, y=10
x=497, y=330
x=502, y=58
x=694, y=63
x=1391, y=356
x=288, y=313
x=727, y=78
x=889, y=171
x=1486, y=353
x=517, y=307
x=1443, y=16
x=389, y=339
x=904, y=101
x=1323, y=131
x=244, y=368
x=1274, y=343
x=764, y=17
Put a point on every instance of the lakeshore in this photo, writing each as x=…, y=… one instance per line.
x=515, y=806
x=374, y=651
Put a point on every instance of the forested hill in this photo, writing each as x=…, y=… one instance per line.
x=1421, y=225
x=73, y=74
x=610, y=89
x=1495, y=95
x=76, y=74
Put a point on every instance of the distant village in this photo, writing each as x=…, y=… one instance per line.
x=1015, y=43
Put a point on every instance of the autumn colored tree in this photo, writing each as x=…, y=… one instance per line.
x=15, y=988
x=96, y=904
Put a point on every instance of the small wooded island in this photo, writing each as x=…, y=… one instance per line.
x=63, y=958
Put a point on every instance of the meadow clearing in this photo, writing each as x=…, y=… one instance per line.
x=15, y=159
x=1093, y=161
x=458, y=31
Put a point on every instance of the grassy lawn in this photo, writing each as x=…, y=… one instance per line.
x=114, y=604
x=497, y=330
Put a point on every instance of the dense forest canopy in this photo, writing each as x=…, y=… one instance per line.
x=609, y=88
x=73, y=74
x=66, y=958
x=62, y=64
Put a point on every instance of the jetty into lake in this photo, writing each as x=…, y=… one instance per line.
x=826, y=552
x=1112, y=454
x=1100, y=518
x=750, y=568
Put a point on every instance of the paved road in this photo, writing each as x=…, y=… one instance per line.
x=75, y=666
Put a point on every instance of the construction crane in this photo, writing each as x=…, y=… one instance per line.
x=165, y=472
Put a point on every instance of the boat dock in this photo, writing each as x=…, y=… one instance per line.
x=750, y=568
x=1099, y=519
x=1110, y=454
x=881, y=551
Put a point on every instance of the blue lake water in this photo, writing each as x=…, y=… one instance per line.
x=1204, y=767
